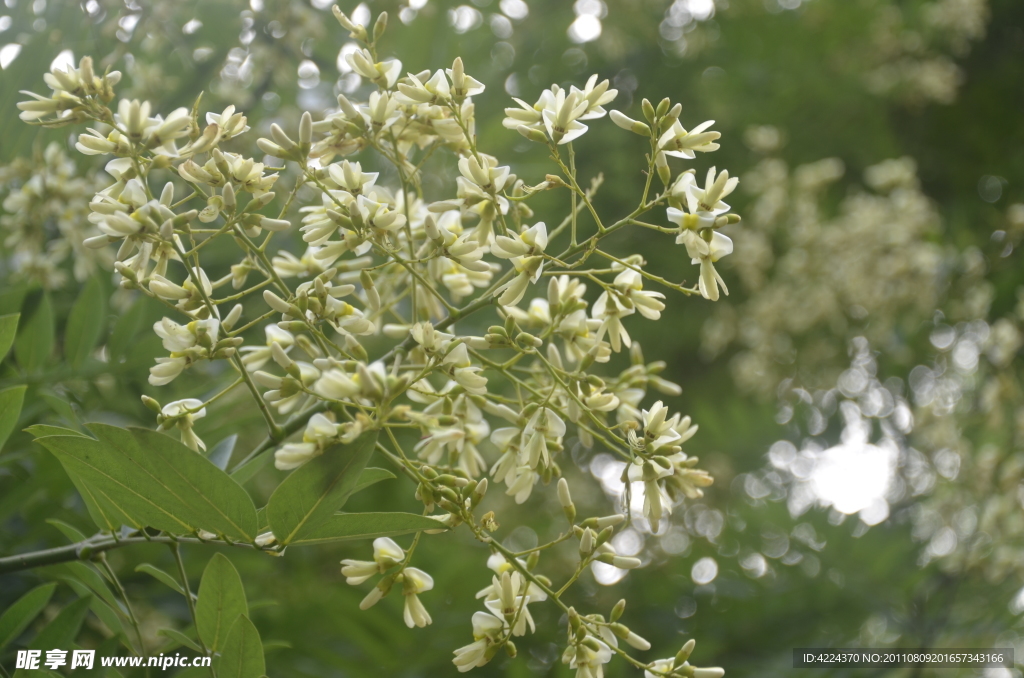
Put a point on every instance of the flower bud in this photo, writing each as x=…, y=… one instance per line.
x=532, y=134
x=648, y=110
x=685, y=652
x=232, y=317
x=167, y=194
x=372, y=598
x=527, y=340
x=151, y=403
x=629, y=124
x=379, y=26
x=671, y=117
x=305, y=131
x=277, y=303
x=97, y=242
x=280, y=138
x=617, y=611
x=478, y=493
x=565, y=499
x=587, y=542
x=372, y=296
x=276, y=225
x=664, y=171
x=634, y=640
x=622, y=562
x=259, y=202
x=277, y=352
x=229, y=197
x=270, y=148
x=574, y=619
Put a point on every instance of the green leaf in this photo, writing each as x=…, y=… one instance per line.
x=371, y=476
x=105, y=516
x=111, y=487
x=107, y=614
x=34, y=343
x=179, y=638
x=12, y=295
x=221, y=601
x=160, y=575
x=70, y=531
x=126, y=327
x=61, y=632
x=276, y=645
x=346, y=526
x=245, y=472
x=18, y=616
x=78, y=571
x=42, y=430
x=11, y=400
x=314, y=491
x=154, y=480
x=85, y=322
x=8, y=329
x=193, y=672
x=242, y=654
x=205, y=494
x=220, y=454
x=62, y=407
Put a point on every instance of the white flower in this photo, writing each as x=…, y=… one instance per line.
x=489, y=179
x=415, y=581
x=710, y=279
x=358, y=571
x=709, y=199
x=533, y=240
x=663, y=667
x=487, y=629
x=561, y=116
x=182, y=414
x=508, y=597
x=336, y=385
x=522, y=249
x=631, y=283
x=596, y=95
x=659, y=430
x=660, y=668
x=610, y=310
x=588, y=657
x=186, y=294
x=319, y=431
x=256, y=357
x=544, y=424
x=463, y=85
x=678, y=142
x=386, y=554
x=522, y=484
x=379, y=215
x=704, y=247
x=383, y=73
x=166, y=370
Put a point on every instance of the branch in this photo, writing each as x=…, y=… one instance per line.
x=89, y=548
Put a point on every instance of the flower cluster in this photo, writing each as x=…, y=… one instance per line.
x=373, y=323
x=44, y=225
x=811, y=275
